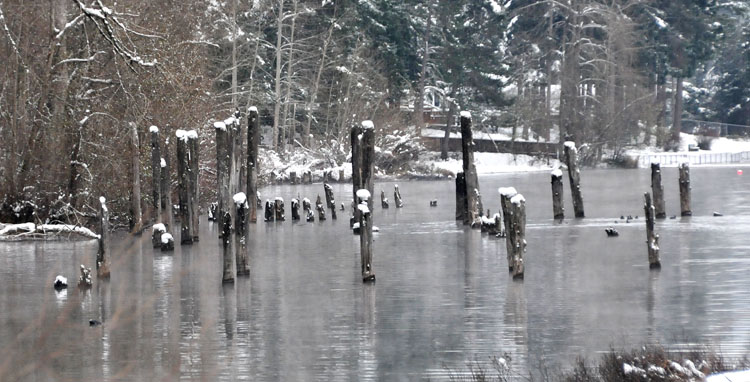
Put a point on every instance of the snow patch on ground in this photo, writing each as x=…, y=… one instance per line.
x=492, y=163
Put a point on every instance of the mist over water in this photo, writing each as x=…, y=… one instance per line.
x=443, y=294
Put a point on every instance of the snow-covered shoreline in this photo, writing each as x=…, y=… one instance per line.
x=31, y=231
x=723, y=152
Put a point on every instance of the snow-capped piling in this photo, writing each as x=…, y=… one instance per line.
x=383, y=199
x=307, y=208
x=363, y=155
x=84, y=280
x=167, y=218
x=685, y=190
x=356, y=142
x=516, y=235
x=193, y=171
x=223, y=170
x=471, y=188
x=657, y=189
x=365, y=234
x=155, y=173
x=330, y=200
x=269, y=211
x=156, y=231
x=253, y=138
x=102, y=264
x=397, y=197
x=226, y=246
x=557, y=194
x=574, y=175
x=321, y=210
x=506, y=194
x=184, y=188
x=240, y=233
x=167, y=242
x=137, y=223
x=461, y=206
x=60, y=282
x=652, y=239
x=279, y=204
x=295, y=209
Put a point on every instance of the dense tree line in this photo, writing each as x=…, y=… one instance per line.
x=607, y=73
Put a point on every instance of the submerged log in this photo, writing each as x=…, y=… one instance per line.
x=652, y=239
x=506, y=194
x=185, y=198
x=574, y=175
x=685, y=190
x=155, y=174
x=471, y=188
x=102, y=262
x=657, y=189
x=226, y=245
x=241, y=230
x=397, y=197
x=517, y=234
x=557, y=194
x=330, y=201
x=253, y=138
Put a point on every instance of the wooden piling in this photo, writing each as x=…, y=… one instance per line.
x=397, y=197
x=473, y=211
x=137, y=227
x=295, y=209
x=657, y=189
x=253, y=138
x=193, y=171
x=506, y=194
x=364, y=204
x=330, y=200
x=167, y=242
x=102, y=262
x=321, y=210
x=356, y=147
x=183, y=177
x=156, y=175
x=226, y=244
x=517, y=234
x=223, y=169
x=157, y=230
x=307, y=208
x=167, y=217
x=461, y=201
x=574, y=175
x=279, y=204
x=652, y=239
x=557, y=194
x=685, y=190
x=241, y=230
x=270, y=211
x=383, y=200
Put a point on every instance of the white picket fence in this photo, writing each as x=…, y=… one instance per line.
x=694, y=158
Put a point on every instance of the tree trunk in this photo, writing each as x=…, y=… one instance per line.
x=419, y=99
x=685, y=190
x=227, y=245
x=356, y=148
x=574, y=175
x=136, y=167
x=657, y=189
x=277, y=78
x=193, y=171
x=166, y=190
x=102, y=262
x=461, y=201
x=448, y=125
x=241, y=237
x=223, y=169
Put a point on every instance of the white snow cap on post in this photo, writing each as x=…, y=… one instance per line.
x=163, y=163
x=220, y=126
x=239, y=198
x=252, y=108
x=363, y=194
x=557, y=172
x=279, y=199
x=191, y=134
x=230, y=121
x=103, y=201
x=181, y=134
x=363, y=208
x=570, y=145
x=159, y=228
x=153, y=129
x=466, y=114
x=518, y=199
x=368, y=125
x=166, y=238
x=507, y=191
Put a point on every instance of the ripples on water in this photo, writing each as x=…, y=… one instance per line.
x=443, y=295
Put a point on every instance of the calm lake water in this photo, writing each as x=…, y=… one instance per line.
x=443, y=295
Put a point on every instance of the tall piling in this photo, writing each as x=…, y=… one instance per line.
x=356, y=142
x=137, y=227
x=167, y=217
x=574, y=175
x=330, y=200
x=223, y=168
x=156, y=175
x=506, y=194
x=657, y=189
x=557, y=194
x=364, y=200
x=652, y=239
x=517, y=234
x=253, y=138
x=474, y=208
x=185, y=198
x=102, y=255
x=241, y=230
x=685, y=190
x=461, y=201
x=193, y=172
x=227, y=245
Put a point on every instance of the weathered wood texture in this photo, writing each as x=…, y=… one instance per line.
x=183, y=180
x=356, y=142
x=517, y=234
x=223, y=169
x=506, y=194
x=227, y=245
x=397, y=197
x=156, y=175
x=279, y=209
x=330, y=200
x=136, y=173
x=321, y=210
x=253, y=138
x=364, y=202
x=685, y=190
x=657, y=189
x=295, y=209
x=167, y=216
x=383, y=199
x=270, y=211
x=193, y=172
x=156, y=232
x=474, y=209
x=574, y=175
x=102, y=262
x=461, y=201
x=242, y=232
x=557, y=194
x=652, y=239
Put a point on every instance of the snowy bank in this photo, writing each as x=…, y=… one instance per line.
x=489, y=163
x=723, y=151
x=28, y=231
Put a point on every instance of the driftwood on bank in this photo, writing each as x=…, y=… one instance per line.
x=652, y=239
x=685, y=209
x=657, y=190
x=253, y=138
x=574, y=175
x=102, y=256
x=557, y=194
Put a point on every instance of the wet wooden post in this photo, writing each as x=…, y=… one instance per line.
x=652, y=239
x=292, y=177
x=226, y=244
x=517, y=234
x=364, y=200
x=383, y=200
x=330, y=201
x=167, y=217
x=223, y=168
x=279, y=208
x=557, y=194
x=461, y=206
x=657, y=189
x=102, y=262
x=506, y=194
x=241, y=230
x=307, y=208
x=356, y=142
x=253, y=138
x=341, y=176
x=685, y=190
x=473, y=207
x=156, y=174
x=136, y=193
x=321, y=210
x=156, y=231
x=397, y=197
x=183, y=178
x=194, y=170
x=167, y=242
x=270, y=211
x=574, y=175
x=295, y=209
